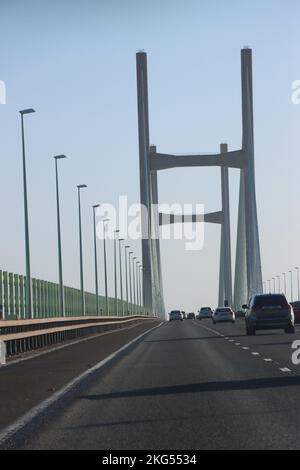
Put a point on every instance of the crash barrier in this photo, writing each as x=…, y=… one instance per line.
x=21, y=336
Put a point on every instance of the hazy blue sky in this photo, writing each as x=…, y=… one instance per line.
x=74, y=62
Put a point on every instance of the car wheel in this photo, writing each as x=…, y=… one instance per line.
x=290, y=330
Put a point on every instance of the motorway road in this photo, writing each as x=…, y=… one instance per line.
x=186, y=385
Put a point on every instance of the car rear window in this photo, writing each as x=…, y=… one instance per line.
x=270, y=301
x=205, y=309
x=223, y=310
x=296, y=304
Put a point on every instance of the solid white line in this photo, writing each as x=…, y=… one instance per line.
x=66, y=345
x=12, y=429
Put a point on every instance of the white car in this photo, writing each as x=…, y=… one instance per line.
x=205, y=312
x=223, y=314
x=175, y=315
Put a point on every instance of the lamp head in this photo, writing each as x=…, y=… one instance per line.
x=27, y=111
x=59, y=157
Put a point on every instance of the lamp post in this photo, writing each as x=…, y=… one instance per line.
x=130, y=282
x=274, y=285
x=291, y=273
x=27, y=244
x=264, y=287
x=137, y=286
x=95, y=207
x=141, y=289
x=126, y=248
x=121, y=280
x=60, y=269
x=115, y=271
x=269, y=282
x=279, y=284
x=134, y=285
x=284, y=280
x=298, y=285
x=105, y=267
x=79, y=187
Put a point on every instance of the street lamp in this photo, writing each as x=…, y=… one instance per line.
x=141, y=289
x=297, y=269
x=269, y=282
x=284, y=277
x=27, y=245
x=134, y=285
x=130, y=282
x=291, y=273
x=137, y=285
x=105, y=266
x=95, y=207
x=279, y=284
x=264, y=286
x=274, y=285
x=60, y=270
x=115, y=268
x=121, y=282
x=79, y=187
x=127, y=247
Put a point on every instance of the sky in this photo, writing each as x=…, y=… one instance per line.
x=74, y=63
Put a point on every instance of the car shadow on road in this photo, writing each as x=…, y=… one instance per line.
x=221, y=386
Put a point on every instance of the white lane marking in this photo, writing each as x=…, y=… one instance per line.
x=237, y=344
x=246, y=348
x=285, y=369
x=8, y=432
x=255, y=354
x=231, y=341
x=268, y=360
x=63, y=346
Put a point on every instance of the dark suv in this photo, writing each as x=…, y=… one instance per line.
x=269, y=312
x=191, y=316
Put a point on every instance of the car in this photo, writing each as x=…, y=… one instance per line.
x=269, y=312
x=191, y=316
x=175, y=315
x=223, y=315
x=205, y=312
x=296, y=309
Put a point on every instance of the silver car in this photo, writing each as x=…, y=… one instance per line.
x=205, y=312
x=223, y=315
x=269, y=312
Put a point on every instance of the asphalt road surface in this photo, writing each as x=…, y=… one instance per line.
x=186, y=385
